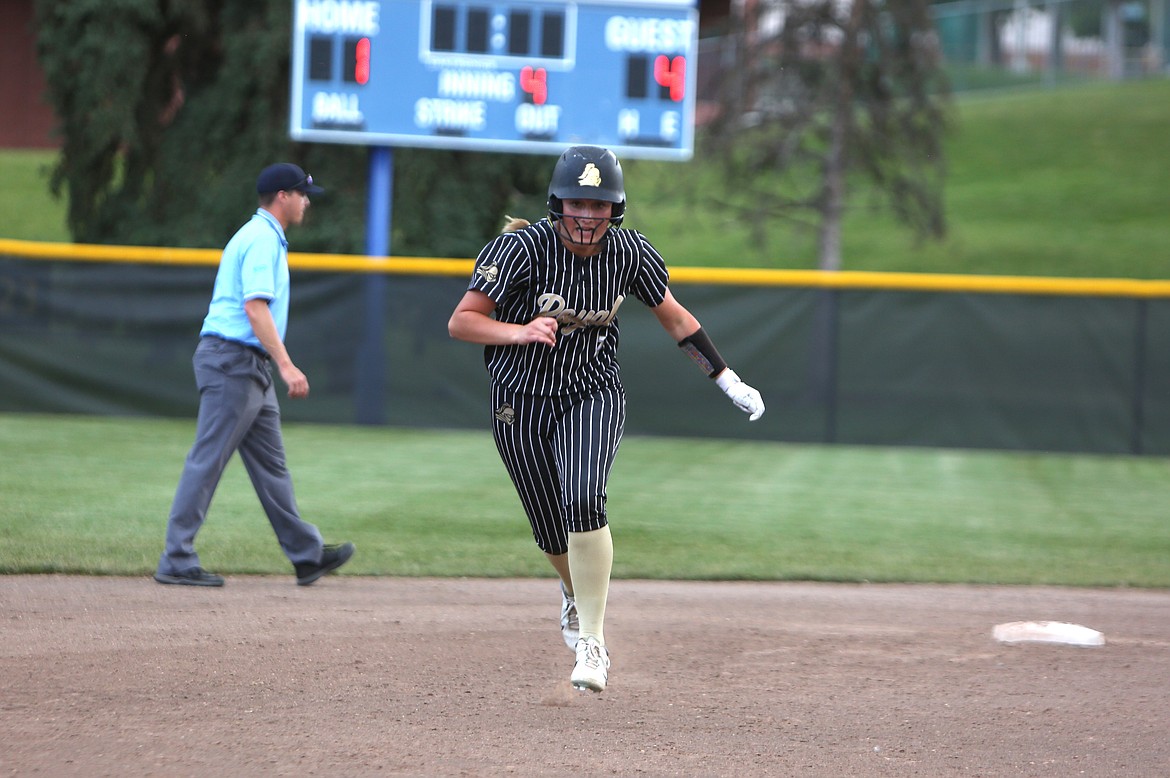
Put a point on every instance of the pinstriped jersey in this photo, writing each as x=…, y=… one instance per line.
x=530, y=273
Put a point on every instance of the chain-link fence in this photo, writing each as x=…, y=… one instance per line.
x=999, y=43
x=1004, y=42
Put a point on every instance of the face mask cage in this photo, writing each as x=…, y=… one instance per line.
x=584, y=237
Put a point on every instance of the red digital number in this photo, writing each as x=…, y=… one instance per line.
x=671, y=74
x=534, y=81
x=361, y=61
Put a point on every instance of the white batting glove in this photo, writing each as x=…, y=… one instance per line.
x=745, y=397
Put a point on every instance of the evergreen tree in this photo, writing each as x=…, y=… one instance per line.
x=821, y=95
x=168, y=110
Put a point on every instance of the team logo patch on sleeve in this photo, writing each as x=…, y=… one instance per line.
x=489, y=272
x=591, y=176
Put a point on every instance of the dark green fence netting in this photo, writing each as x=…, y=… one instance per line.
x=943, y=369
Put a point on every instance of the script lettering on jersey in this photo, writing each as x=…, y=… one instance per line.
x=554, y=305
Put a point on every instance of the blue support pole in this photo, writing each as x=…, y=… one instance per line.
x=381, y=189
x=370, y=390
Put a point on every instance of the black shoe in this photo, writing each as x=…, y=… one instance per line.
x=194, y=576
x=332, y=558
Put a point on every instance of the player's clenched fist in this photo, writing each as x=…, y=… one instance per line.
x=542, y=329
x=745, y=397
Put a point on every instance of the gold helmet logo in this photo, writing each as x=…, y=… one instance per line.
x=591, y=176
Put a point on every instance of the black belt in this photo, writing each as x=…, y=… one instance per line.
x=254, y=349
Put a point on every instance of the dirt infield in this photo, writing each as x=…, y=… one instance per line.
x=363, y=676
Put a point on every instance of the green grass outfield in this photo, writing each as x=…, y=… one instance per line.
x=90, y=495
x=30, y=212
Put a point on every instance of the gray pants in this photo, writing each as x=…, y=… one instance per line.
x=238, y=411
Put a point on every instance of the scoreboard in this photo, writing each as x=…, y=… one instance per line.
x=530, y=76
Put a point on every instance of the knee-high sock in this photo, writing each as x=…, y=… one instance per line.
x=590, y=562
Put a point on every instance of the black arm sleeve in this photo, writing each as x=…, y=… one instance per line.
x=698, y=346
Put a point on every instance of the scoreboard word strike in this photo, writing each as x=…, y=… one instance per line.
x=528, y=76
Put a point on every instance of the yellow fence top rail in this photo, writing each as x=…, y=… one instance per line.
x=843, y=279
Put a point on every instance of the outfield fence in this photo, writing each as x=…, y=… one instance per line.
x=1015, y=363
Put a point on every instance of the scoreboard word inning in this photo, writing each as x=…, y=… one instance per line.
x=528, y=76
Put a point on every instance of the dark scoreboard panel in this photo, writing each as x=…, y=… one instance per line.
x=523, y=76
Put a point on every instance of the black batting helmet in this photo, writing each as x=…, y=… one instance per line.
x=587, y=173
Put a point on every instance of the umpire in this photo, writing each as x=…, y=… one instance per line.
x=238, y=410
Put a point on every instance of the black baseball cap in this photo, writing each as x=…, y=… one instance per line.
x=285, y=177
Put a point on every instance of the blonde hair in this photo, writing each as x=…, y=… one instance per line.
x=513, y=223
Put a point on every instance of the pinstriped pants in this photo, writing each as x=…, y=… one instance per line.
x=558, y=452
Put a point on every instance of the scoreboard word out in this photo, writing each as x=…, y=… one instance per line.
x=524, y=75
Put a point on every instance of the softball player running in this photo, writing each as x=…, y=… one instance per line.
x=544, y=300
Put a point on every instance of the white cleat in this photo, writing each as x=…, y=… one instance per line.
x=570, y=625
x=592, y=669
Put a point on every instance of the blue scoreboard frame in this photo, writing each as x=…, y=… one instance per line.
x=529, y=76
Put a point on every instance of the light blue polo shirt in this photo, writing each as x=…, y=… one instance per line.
x=254, y=265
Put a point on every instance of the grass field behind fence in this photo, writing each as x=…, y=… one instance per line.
x=90, y=495
x=1044, y=182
